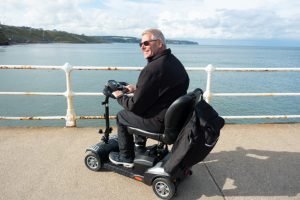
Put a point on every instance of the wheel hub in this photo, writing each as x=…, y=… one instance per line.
x=162, y=189
x=92, y=162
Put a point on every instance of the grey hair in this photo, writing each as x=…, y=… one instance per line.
x=157, y=35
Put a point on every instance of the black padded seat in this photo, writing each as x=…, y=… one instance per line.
x=176, y=116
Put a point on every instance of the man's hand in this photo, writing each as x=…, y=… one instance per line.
x=117, y=93
x=130, y=88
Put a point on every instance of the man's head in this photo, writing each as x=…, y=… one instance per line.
x=153, y=42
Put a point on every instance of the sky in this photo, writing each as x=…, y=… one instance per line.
x=178, y=19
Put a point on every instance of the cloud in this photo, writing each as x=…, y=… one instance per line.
x=194, y=19
x=257, y=24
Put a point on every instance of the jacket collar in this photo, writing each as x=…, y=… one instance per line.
x=164, y=52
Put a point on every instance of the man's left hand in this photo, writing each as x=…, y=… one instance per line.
x=117, y=93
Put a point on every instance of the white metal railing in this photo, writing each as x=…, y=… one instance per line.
x=71, y=117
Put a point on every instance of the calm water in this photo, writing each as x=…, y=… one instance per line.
x=130, y=55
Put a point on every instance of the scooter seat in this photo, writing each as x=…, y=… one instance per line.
x=137, y=131
x=176, y=116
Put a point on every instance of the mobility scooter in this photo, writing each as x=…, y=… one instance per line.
x=149, y=164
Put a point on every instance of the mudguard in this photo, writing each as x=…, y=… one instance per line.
x=103, y=149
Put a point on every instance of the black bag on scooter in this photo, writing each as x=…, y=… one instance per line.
x=196, y=139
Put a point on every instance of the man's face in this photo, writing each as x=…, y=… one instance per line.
x=153, y=48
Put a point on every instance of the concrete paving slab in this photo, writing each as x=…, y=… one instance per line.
x=249, y=162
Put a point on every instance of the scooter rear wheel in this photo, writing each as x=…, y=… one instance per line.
x=93, y=162
x=163, y=188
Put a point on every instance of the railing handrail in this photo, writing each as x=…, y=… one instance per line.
x=236, y=69
x=71, y=116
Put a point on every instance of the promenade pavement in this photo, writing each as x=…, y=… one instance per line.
x=259, y=161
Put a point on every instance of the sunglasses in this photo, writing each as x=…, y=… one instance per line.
x=146, y=43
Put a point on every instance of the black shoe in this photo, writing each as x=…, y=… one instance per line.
x=115, y=158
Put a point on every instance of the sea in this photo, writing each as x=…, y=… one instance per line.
x=124, y=55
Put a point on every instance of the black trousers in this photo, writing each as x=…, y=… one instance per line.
x=126, y=141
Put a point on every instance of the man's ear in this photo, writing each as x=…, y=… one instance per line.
x=160, y=44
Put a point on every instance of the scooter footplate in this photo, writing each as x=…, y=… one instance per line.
x=119, y=169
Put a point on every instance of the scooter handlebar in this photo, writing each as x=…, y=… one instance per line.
x=112, y=86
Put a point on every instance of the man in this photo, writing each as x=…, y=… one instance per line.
x=160, y=83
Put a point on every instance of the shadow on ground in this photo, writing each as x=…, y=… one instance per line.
x=244, y=173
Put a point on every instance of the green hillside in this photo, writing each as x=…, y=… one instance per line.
x=3, y=39
x=17, y=35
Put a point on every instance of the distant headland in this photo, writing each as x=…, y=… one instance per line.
x=20, y=35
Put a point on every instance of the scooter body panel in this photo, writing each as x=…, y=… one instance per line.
x=147, y=166
x=103, y=149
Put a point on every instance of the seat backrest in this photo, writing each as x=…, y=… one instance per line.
x=178, y=114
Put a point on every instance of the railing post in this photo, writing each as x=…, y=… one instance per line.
x=70, y=116
x=207, y=94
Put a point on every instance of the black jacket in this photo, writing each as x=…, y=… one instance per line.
x=160, y=83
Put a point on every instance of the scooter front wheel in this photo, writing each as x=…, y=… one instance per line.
x=92, y=161
x=163, y=188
